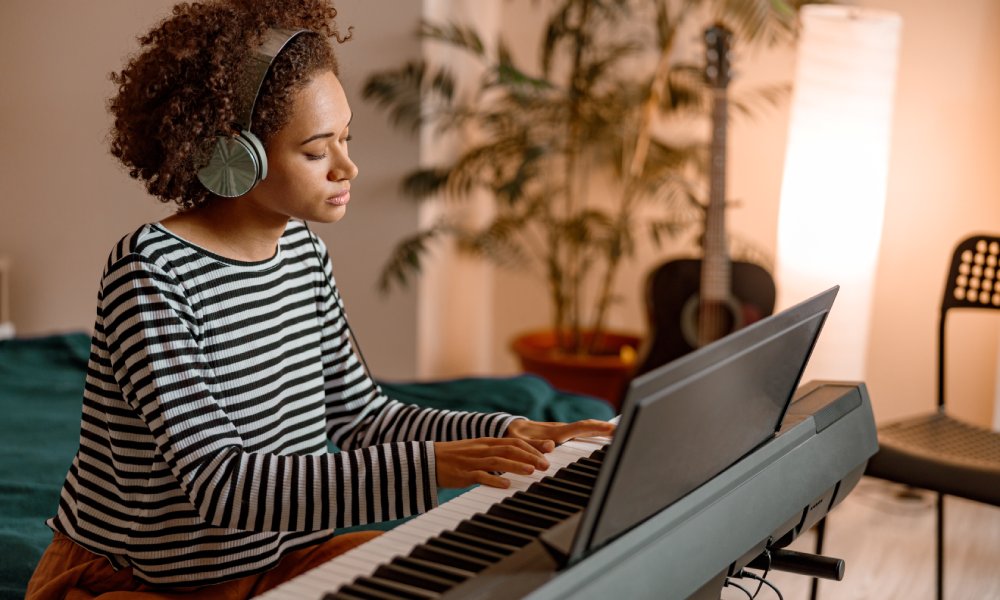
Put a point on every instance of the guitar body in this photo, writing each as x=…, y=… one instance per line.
x=673, y=307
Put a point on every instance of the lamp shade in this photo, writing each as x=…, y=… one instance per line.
x=836, y=166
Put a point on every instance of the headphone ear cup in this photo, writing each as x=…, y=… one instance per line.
x=236, y=165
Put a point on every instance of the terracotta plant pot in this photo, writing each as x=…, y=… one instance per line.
x=604, y=374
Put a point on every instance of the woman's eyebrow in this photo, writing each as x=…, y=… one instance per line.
x=326, y=134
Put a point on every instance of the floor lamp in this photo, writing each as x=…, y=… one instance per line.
x=834, y=184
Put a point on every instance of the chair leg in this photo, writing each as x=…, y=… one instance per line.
x=940, y=546
x=820, y=534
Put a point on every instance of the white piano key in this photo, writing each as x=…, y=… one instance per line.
x=307, y=585
x=458, y=507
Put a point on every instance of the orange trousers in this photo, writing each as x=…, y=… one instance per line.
x=71, y=572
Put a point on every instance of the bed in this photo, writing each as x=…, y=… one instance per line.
x=41, y=381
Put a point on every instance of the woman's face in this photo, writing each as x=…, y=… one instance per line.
x=309, y=171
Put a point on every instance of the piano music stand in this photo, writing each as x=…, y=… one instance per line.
x=696, y=416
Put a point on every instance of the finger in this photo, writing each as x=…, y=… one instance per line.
x=517, y=442
x=587, y=428
x=484, y=478
x=505, y=465
x=521, y=462
x=542, y=445
x=527, y=453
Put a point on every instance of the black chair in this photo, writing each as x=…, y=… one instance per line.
x=936, y=451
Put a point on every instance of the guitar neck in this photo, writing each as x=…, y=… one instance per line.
x=716, y=268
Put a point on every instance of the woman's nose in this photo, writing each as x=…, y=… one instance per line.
x=343, y=169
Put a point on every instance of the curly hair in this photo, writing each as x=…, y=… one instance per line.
x=180, y=91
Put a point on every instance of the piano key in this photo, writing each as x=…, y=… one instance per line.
x=549, y=501
x=519, y=515
x=492, y=533
x=545, y=510
x=460, y=547
x=411, y=577
x=445, y=556
x=347, y=595
x=582, y=476
x=395, y=589
x=354, y=592
x=570, y=485
x=494, y=546
x=453, y=574
x=545, y=488
x=581, y=465
x=508, y=525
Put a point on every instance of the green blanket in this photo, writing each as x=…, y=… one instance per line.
x=41, y=382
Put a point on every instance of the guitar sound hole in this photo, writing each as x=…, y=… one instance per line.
x=703, y=322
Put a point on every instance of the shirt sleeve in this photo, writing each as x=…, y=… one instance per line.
x=153, y=336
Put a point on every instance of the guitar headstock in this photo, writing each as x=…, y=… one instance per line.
x=718, y=42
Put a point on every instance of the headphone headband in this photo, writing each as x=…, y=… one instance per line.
x=255, y=71
x=238, y=163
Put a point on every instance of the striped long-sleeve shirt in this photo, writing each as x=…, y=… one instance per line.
x=212, y=389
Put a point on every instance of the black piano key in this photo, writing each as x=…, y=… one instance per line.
x=492, y=533
x=345, y=595
x=411, y=577
x=354, y=592
x=475, y=552
x=479, y=542
x=446, y=556
x=589, y=462
x=395, y=589
x=584, y=468
x=549, y=489
x=546, y=510
x=585, y=479
x=509, y=510
x=549, y=501
x=568, y=485
x=600, y=453
x=431, y=568
x=508, y=525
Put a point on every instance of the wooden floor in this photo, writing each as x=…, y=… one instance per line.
x=886, y=538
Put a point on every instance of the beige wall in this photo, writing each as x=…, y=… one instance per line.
x=64, y=201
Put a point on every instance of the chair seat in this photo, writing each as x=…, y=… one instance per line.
x=940, y=453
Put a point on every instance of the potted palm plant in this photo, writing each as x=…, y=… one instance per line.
x=607, y=79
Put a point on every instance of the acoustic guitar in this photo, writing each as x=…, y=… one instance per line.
x=692, y=302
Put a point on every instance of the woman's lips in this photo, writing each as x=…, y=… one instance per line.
x=340, y=199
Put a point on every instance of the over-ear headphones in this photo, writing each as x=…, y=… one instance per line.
x=238, y=163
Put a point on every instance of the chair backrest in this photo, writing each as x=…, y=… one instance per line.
x=972, y=283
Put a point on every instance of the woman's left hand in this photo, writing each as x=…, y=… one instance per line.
x=546, y=435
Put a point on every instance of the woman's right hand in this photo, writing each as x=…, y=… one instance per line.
x=466, y=462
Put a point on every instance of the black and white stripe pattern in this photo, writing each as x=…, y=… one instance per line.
x=212, y=389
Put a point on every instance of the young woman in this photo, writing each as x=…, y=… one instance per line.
x=221, y=361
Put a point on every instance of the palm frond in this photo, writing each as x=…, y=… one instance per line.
x=750, y=103
x=686, y=90
x=498, y=242
x=455, y=34
x=407, y=92
x=761, y=21
x=406, y=259
x=426, y=182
